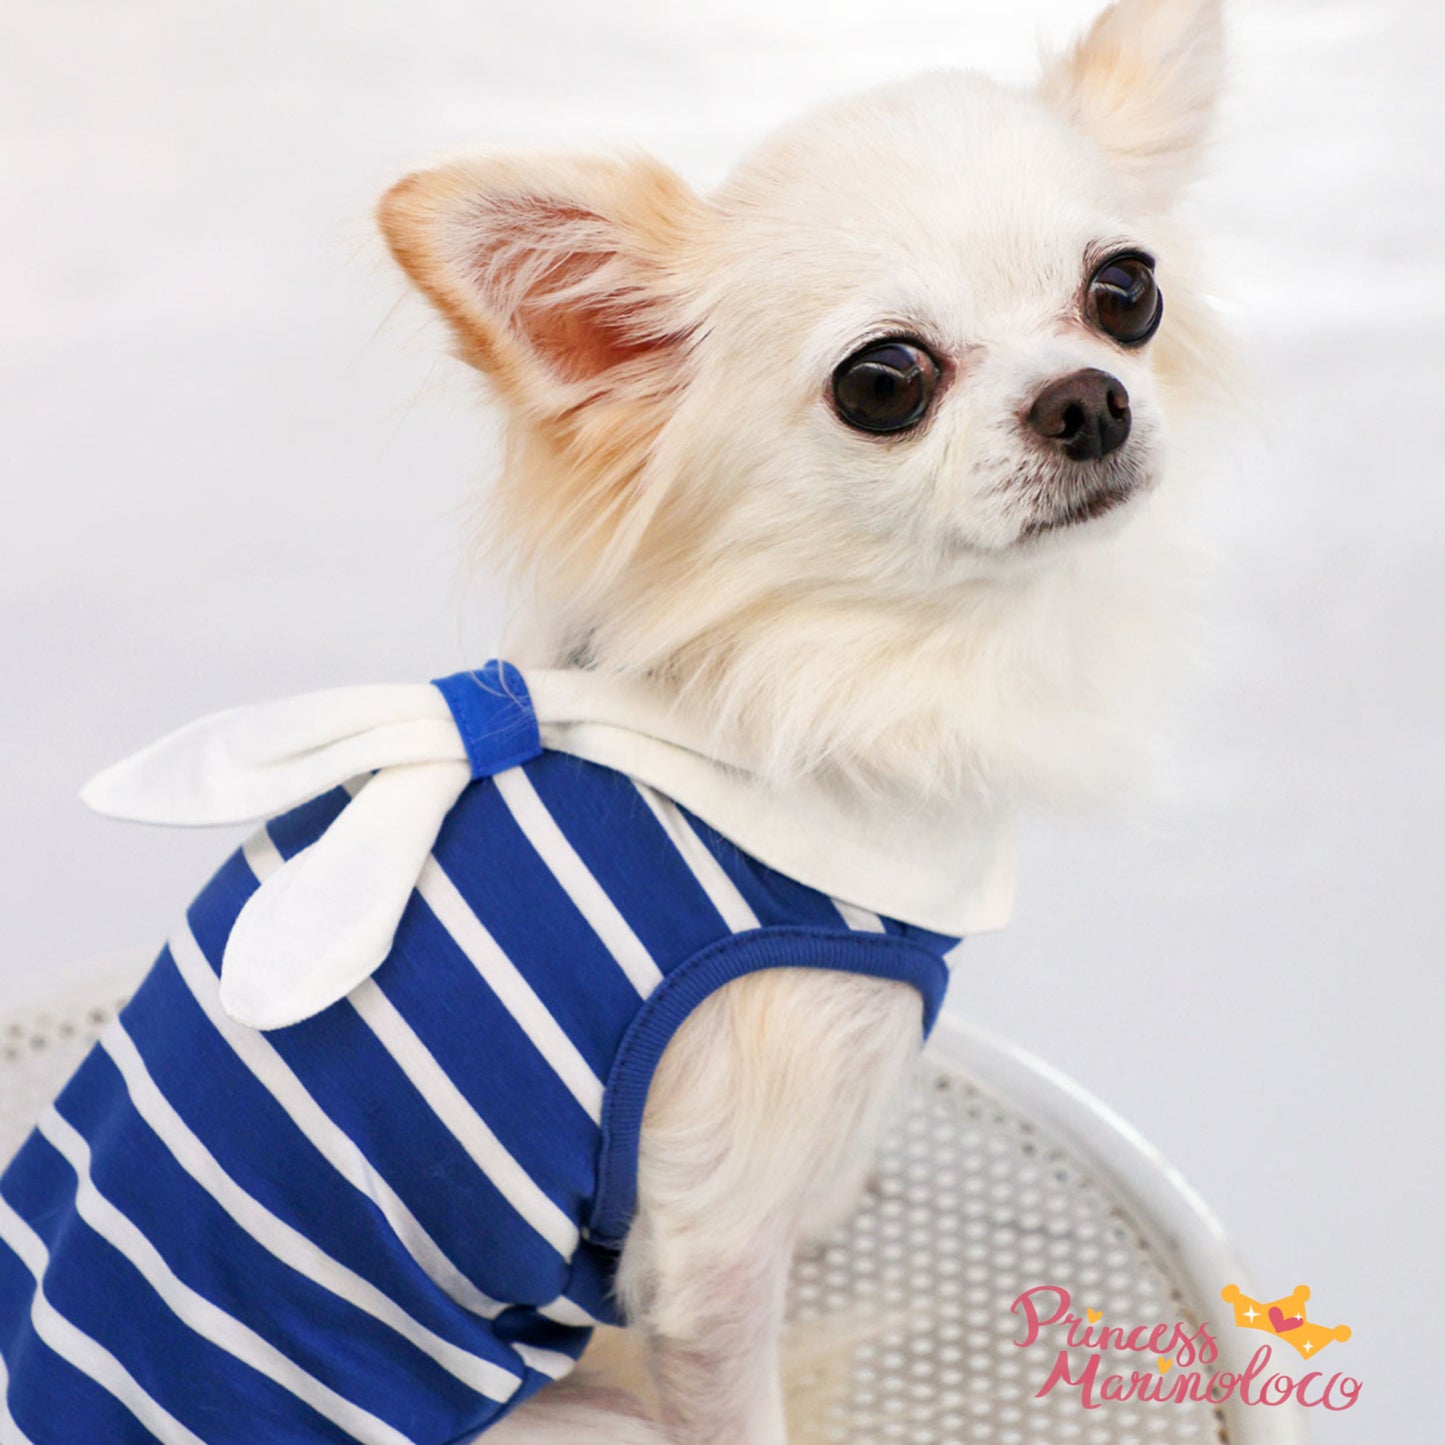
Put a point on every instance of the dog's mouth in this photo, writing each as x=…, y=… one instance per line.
x=1096, y=505
x=1061, y=499
x=1035, y=503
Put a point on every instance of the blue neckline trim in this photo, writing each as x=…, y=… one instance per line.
x=493, y=712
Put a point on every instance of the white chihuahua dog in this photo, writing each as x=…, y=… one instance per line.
x=865, y=457
x=842, y=497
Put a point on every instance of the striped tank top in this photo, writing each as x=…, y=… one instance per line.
x=392, y=1221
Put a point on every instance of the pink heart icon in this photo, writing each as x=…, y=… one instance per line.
x=1277, y=1319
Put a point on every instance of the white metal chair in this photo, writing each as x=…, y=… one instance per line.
x=1002, y=1175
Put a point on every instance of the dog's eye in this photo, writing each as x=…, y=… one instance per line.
x=1125, y=299
x=886, y=387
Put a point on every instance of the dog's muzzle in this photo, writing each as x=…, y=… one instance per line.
x=1080, y=422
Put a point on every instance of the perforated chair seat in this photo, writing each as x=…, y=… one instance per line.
x=1004, y=1175
x=1001, y=1175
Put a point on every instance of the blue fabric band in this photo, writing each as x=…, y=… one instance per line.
x=493, y=713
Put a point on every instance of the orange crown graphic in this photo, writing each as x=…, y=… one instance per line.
x=1284, y=1318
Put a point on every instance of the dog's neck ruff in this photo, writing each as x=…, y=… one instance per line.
x=326, y=921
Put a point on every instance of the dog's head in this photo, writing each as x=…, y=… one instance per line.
x=855, y=453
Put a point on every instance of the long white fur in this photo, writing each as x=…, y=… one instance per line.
x=686, y=506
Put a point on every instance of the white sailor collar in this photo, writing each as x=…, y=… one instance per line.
x=324, y=922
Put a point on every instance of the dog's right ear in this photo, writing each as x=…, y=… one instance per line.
x=561, y=277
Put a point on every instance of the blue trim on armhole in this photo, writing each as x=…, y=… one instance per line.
x=684, y=988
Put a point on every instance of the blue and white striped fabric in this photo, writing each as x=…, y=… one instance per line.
x=397, y=1219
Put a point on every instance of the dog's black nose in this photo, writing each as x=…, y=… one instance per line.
x=1085, y=415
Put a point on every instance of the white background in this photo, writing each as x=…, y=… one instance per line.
x=235, y=467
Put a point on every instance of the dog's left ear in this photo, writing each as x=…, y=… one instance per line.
x=1143, y=83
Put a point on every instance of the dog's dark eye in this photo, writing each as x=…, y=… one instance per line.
x=886, y=387
x=1125, y=299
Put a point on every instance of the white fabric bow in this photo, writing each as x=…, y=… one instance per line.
x=326, y=919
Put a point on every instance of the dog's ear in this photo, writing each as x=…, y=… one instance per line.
x=1143, y=83
x=560, y=276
